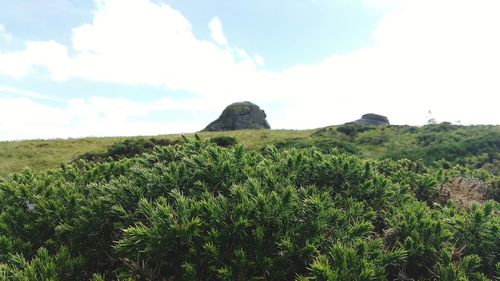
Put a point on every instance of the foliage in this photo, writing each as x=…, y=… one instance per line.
x=421, y=233
x=198, y=211
x=323, y=144
x=43, y=266
x=224, y=141
x=475, y=147
x=478, y=233
x=127, y=148
x=44, y=154
x=471, y=146
x=352, y=130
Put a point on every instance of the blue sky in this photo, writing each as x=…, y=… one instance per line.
x=323, y=26
x=73, y=68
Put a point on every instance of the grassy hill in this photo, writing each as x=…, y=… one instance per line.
x=471, y=146
x=43, y=154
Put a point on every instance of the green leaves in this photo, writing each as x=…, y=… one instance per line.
x=197, y=211
x=61, y=266
x=422, y=234
x=477, y=232
x=361, y=260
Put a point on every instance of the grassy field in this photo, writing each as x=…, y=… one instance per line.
x=43, y=154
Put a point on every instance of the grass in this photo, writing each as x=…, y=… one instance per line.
x=472, y=146
x=42, y=154
x=45, y=154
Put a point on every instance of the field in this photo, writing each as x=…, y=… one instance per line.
x=338, y=203
x=43, y=154
x=473, y=146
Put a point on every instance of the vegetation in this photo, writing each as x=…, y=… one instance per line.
x=127, y=148
x=42, y=154
x=471, y=146
x=199, y=211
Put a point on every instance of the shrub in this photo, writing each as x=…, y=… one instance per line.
x=323, y=144
x=478, y=233
x=422, y=233
x=127, y=148
x=198, y=211
x=43, y=266
x=224, y=141
x=352, y=130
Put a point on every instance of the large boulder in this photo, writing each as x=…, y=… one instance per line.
x=372, y=119
x=238, y=116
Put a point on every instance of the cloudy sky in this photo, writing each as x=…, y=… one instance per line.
x=73, y=68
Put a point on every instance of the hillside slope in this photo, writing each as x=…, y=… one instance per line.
x=471, y=146
x=43, y=154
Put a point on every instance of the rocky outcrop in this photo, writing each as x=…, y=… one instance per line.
x=238, y=116
x=371, y=119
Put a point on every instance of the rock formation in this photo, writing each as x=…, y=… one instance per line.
x=371, y=119
x=238, y=116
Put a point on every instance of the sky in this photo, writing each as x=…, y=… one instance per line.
x=81, y=68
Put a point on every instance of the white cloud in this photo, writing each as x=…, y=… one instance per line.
x=439, y=55
x=22, y=118
x=259, y=59
x=6, y=90
x=427, y=54
x=4, y=35
x=137, y=42
x=215, y=26
x=383, y=5
x=49, y=54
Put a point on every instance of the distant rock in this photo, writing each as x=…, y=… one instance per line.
x=238, y=116
x=371, y=119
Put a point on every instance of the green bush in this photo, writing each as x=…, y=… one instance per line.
x=478, y=233
x=127, y=148
x=323, y=144
x=224, y=141
x=43, y=266
x=352, y=130
x=474, y=146
x=422, y=233
x=198, y=211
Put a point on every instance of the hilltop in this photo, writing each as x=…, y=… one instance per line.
x=239, y=116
